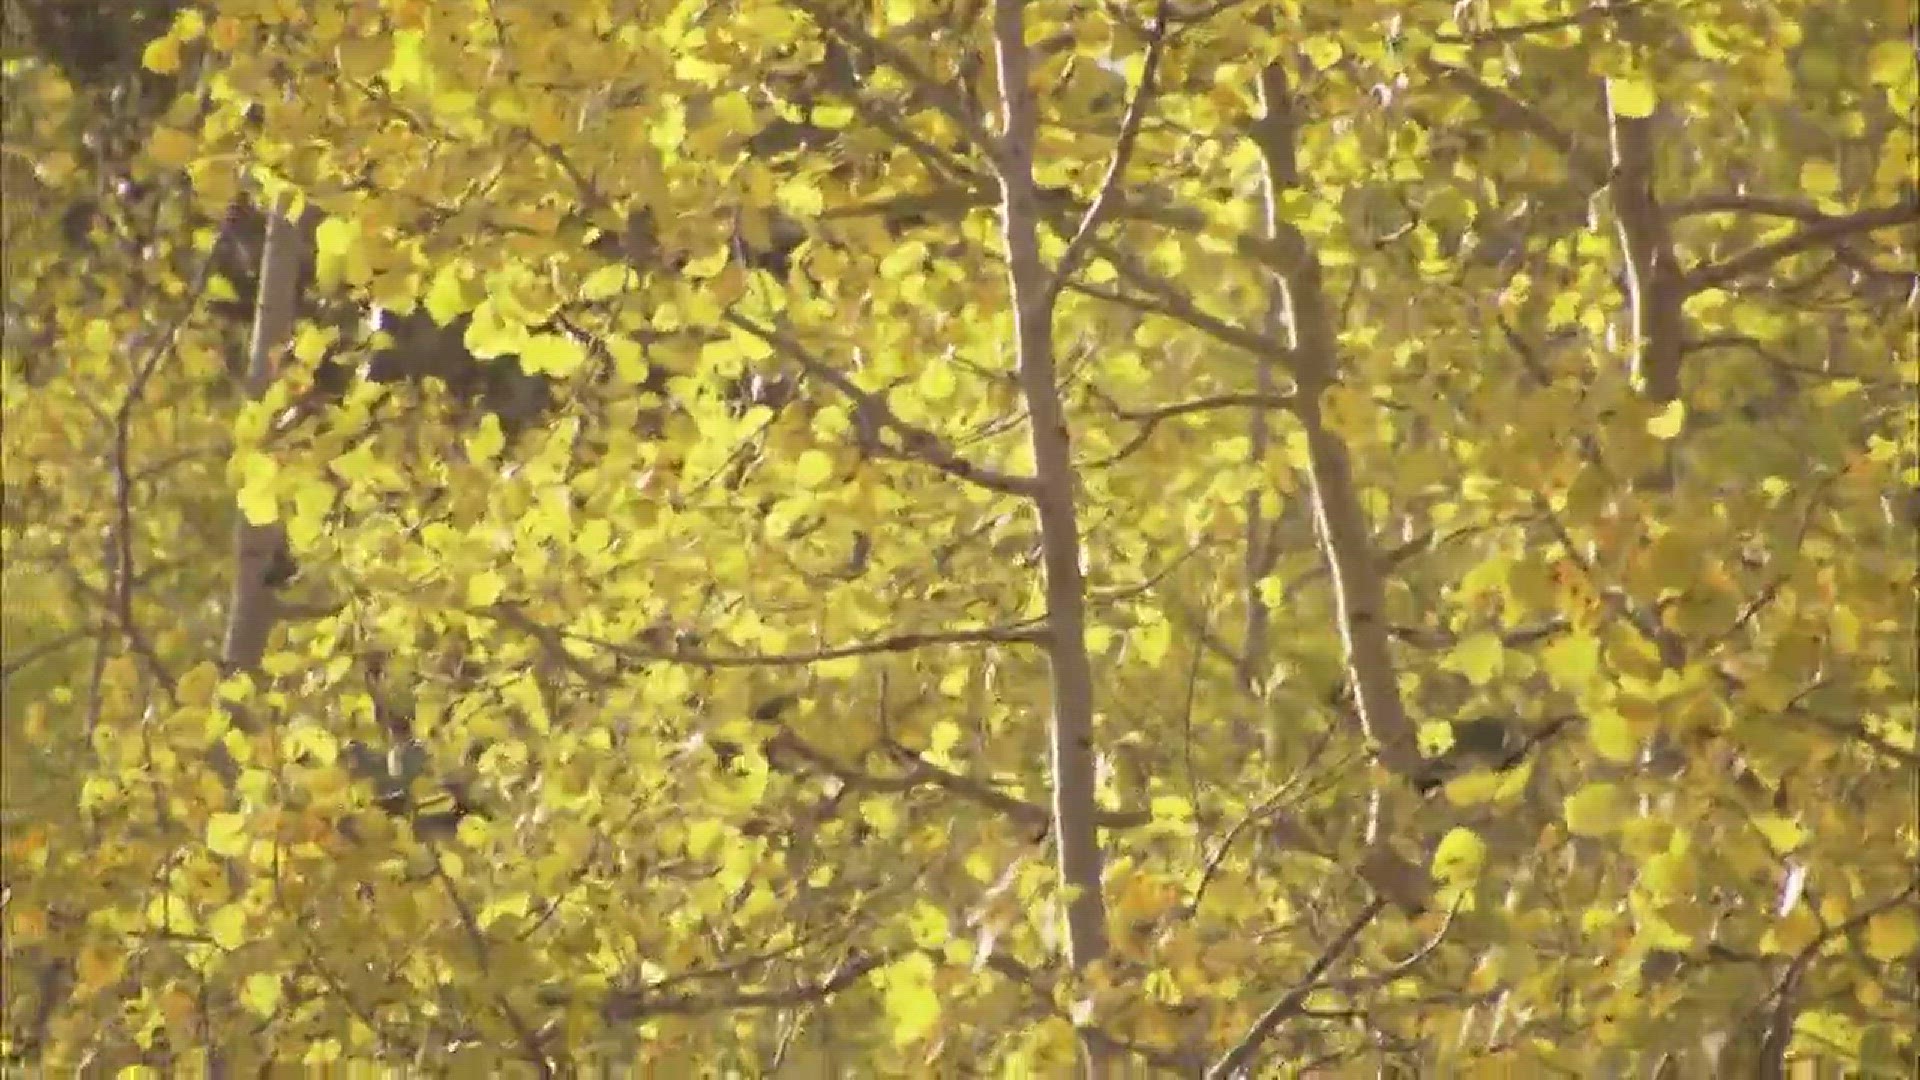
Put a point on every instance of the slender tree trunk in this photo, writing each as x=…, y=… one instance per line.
x=1345, y=539
x=1076, y=835
x=251, y=610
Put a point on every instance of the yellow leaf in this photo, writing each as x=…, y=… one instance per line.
x=749, y=345
x=1631, y=97
x=335, y=236
x=448, y=297
x=1819, y=178
x=903, y=260
x=97, y=967
x=800, y=198
x=228, y=927
x=1478, y=657
x=813, y=468
x=901, y=12
x=1596, y=810
x=937, y=382
x=1892, y=935
x=1572, y=661
x=1795, y=931
x=198, y=685
x=1323, y=52
x=1459, y=858
x=556, y=354
x=484, y=588
x=261, y=994
x=1613, y=736
x=1670, y=420
x=628, y=363
x=171, y=147
x=486, y=443
x=1473, y=788
x=912, y=1006
x=1152, y=638
x=161, y=56
x=257, y=500
x=227, y=834
x=1888, y=63
x=832, y=117
x=1784, y=834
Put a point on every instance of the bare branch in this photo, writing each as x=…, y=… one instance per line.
x=124, y=571
x=920, y=770
x=1655, y=286
x=1103, y=202
x=1510, y=112
x=873, y=413
x=1182, y=310
x=535, y=1054
x=250, y=612
x=1400, y=968
x=1240, y=1058
x=1496, y=34
x=1742, y=203
x=24, y=658
x=628, y=1005
x=937, y=92
x=1149, y=419
x=1780, y=1025
x=1014, y=635
x=1817, y=234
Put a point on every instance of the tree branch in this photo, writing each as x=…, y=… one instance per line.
x=1237, y=1060
x=897, y=643
x=1512, y=113
x=1103, y=202
x=629, y=1005
x=1149, y=419
x=937, y=92
x=1814, y=235
x=874, y=414
x=1497, y=34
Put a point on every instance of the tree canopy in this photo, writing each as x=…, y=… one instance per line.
x=960, y=537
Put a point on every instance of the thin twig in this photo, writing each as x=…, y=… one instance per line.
x=1103, y=202
x=1237, y=1060
x=1807, y=238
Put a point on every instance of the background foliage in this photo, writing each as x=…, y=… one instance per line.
x=618, y=604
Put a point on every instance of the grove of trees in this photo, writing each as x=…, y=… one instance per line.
x=1016, y=538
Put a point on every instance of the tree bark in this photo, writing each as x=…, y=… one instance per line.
x=1345, y=539
x=251, y=610
x=1075, y=826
